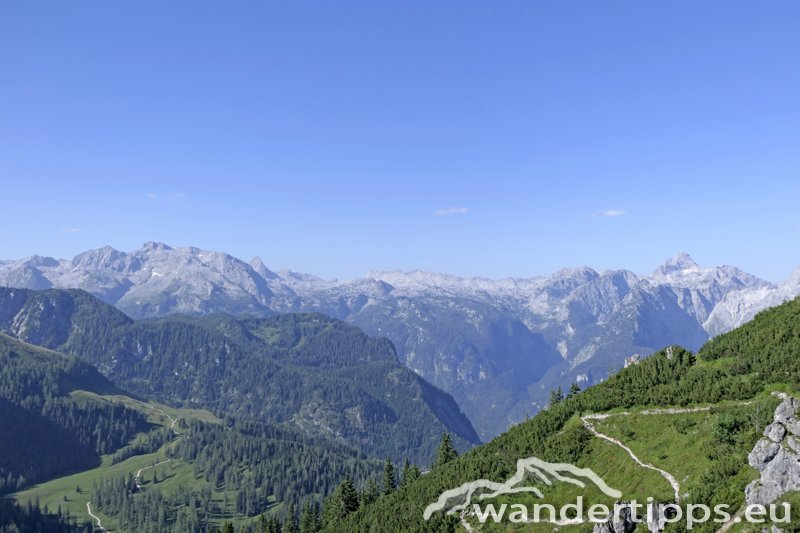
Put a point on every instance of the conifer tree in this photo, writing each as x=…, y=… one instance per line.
x=389, y=477
x=342, y=502
x=370, y=492
x=309, y=522
x=290, y=521
x=556, y=396
x=406, y=472
x=349, y=497
x=446, y=452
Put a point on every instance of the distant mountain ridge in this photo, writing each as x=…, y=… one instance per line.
x=308, y=371
x=498, y=346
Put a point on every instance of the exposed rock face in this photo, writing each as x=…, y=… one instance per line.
x=621, y=522
x=776, y=456
x=775, y=432
x=741, y=305
x=632, y=360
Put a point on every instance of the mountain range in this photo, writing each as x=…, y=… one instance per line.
x=306, y=371
x=497, y=346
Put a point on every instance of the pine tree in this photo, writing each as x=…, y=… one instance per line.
x=411, y=473
x=446, y=452
x=270, y=524
x=389, y=478
x=228, y=528
x=556, y=396
x=349, y=497
x=370, y=492
x=309, y=522
x=415, y=473
x=316, y=518
x=342, y=502
x=573, y=390
x=405, y=472
x=290, y=520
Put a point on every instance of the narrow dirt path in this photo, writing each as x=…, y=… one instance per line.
x=94, y=516
x=735, y=520
x=660, y=411
x=464, y=523
x=173, y=421
x=139, y=472
x=666, y=475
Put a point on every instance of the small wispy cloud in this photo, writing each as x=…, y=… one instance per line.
x=610, y=213
x=70, y=230
x=451, y=211
x=168, y=197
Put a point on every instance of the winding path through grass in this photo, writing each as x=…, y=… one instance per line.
x=139, y=472
x=94, y=516
x=672, y=480
x=172, y=421
x=666, y=475
x=661, y=411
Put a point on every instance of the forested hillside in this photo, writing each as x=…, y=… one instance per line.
x=237, y=470
x=46, y=432
x=212, y=474
x=512, y=339
x=315, y=373
x=22, y=518
x=87, y=442
x=736, y=369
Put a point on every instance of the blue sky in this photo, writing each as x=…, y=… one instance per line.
x=476, y=138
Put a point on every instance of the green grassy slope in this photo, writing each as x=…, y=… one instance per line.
x=178, y=473
x=84, y=441
x=46, y=431
x=705, y=451
x=172, y=475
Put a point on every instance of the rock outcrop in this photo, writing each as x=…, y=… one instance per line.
x=777, y=456
x=621, y=522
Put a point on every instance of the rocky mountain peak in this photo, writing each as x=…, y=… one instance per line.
x=458, y=332
x=152, y=246
x=39, y=261
x=99, y=259
x=262, y=270
x=678, y=263
x=794, y=280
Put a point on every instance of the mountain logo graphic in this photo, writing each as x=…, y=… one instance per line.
x=460, y=498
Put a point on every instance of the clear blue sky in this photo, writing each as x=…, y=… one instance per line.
x=327, y=136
